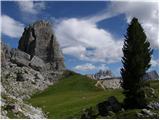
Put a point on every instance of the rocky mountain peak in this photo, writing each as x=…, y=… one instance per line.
x=102, y=74
x=37, y=63
x=38, y=39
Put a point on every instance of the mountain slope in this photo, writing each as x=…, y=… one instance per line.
x=68, y=97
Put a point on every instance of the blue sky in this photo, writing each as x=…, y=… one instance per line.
x=90, y=34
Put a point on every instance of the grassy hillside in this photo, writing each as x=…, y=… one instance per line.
x=68, y=97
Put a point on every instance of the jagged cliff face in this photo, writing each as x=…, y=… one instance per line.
x=39, y=55
x=102, y=74
x=39, y=40
x=37, y=64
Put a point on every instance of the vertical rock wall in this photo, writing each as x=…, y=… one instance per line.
x=39, y=40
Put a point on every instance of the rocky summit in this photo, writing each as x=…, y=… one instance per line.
x=39, y=40
x=32, y=67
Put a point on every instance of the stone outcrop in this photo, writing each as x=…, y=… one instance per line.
x=111, y=104
x=112, y=83
x=5, y=54
x=39, y=54
x=152, y=75
x=18, y=109
x=38, y=40
x=147, y=114
x=37, y=64
x=19, y=57
x=101, y=75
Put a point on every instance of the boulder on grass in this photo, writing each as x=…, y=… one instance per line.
x=116, y=106
x=111, y=104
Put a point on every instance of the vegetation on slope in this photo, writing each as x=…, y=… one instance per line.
x=68, y=97
x=74, y=92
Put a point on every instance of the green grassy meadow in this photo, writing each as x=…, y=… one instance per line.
x=70, y=95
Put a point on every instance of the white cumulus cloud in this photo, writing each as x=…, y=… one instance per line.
x=11, y=27
x=146, y=12
x=103, y=67
x=154, y=62
x=85, y=67
x=86, y=41
x=33, y=7
x=83, y=39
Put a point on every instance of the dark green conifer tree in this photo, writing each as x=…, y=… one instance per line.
x=136, y=61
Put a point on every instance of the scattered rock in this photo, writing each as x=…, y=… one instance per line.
x=116, y=106
x=88, y=113
x=110, y=113
x=20, y=58
x=37, y=64
x=139, y=115
x=24, y=77
x=10, y=107
x=39, y=76
x=3, y=114
x=153, y=105
x=21, y=109
x=152, y=91
x=122, y=109
x=147, y=112
x=110, y=105
x=5, y=53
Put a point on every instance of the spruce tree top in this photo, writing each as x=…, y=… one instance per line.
x=137, y=53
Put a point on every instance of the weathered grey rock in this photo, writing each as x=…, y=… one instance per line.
x=19, y=57
x=38, y=40
x=24, y=77
x=152, y=75
x=139, y=115
x=20, y=75
x=103, y=74
x=5, y=53
x=116, y=106
x=39, y=76
x=147, y=112
x=110, y=105
x=19, y=109
x=22, y=82
x=36, y=63
x=122, y=109
x=112, y=83
x=153, y=105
